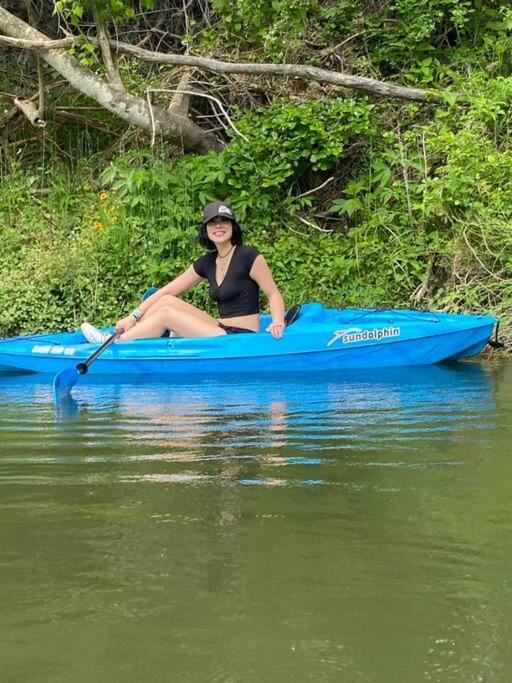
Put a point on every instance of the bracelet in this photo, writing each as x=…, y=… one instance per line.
x=137, y=314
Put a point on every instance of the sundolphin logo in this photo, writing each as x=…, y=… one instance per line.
x=339, y=334
x=356, y=334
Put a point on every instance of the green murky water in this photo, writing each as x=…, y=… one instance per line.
x=337, y=528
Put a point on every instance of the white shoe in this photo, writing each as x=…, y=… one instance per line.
x=92, y=334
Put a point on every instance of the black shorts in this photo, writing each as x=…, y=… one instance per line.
x=228, y=329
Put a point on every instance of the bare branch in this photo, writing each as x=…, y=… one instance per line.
x=40, y=75
x=66, y=117
x=40, y=81
x=496, y=277
x=30, y=110
x=15, y=110
x=312, y=225
x=180, y=103
x=199, y=94
x=302, y=71
x=290, y=70
x=24, y=44
x=315, y=189
x=423, y=288
x=103, y=39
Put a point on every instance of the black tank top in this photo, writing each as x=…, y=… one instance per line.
x=238, y=293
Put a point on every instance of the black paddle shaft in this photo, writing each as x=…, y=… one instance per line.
x=83, y=368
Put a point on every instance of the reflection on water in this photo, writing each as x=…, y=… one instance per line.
x=221, y=429
x=339, y=527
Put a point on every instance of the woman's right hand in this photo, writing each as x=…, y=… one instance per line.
x=125, y=324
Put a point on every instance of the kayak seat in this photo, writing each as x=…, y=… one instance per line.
x=292, y=314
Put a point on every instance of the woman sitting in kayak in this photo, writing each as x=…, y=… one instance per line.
x=235, y=273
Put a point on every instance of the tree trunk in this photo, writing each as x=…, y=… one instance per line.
x=132, y=109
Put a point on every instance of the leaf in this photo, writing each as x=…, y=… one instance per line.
x=496, y=26
x=449, y=97
x=348, y=206
x=383, y=177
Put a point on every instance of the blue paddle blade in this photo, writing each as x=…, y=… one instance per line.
x=63, y=383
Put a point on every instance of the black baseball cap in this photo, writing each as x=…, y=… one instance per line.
x=218, y=208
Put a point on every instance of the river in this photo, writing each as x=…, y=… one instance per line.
x=349, y=527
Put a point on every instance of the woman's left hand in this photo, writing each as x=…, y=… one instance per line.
x=276, y=329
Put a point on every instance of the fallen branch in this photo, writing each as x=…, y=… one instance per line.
x=36, y=44
x=306, y=72
x=291, y=70
x=65, y=117
x=26, y=141
x=30, y=110
x=128, y=107
x=199, y=94
x=315, y=189
x=312, y=225
x=180, y=103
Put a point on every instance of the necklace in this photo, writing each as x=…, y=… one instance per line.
x=227, y=254
x=223, y=265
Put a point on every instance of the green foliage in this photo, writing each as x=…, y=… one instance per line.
x=277, y=25
x=118, y=10
x=84, y=52
x=286, y=142
x=443, y=190
x=426, y=40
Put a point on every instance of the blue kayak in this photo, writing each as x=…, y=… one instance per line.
x=319, y=339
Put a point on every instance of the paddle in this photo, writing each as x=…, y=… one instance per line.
x=66, y=379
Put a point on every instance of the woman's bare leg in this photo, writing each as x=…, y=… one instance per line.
x=182, y=322
x=179, y=305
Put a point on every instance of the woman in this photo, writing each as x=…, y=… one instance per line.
x=235, y=274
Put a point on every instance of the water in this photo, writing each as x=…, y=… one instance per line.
x=333, y=528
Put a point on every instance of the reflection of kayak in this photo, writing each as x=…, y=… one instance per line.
x=320, y=339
